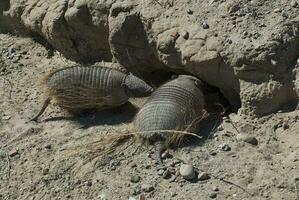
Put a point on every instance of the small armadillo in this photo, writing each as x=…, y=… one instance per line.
x=177, y=105
x=79, y=88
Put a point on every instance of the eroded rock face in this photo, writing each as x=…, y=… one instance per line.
x=246, y=48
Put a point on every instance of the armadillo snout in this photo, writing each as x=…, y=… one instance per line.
x=136, y=87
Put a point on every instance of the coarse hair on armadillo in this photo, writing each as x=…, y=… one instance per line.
x=44, y=81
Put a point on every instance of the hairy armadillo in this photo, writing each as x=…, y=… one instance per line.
x=78, y=88
x=177, y=105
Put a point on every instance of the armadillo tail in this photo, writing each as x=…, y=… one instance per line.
x=43, y=108
x=159, y=147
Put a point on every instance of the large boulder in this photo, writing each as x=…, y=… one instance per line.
x=248, y=49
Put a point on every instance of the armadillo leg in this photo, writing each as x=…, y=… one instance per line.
x=159, y=147
x=43, y=108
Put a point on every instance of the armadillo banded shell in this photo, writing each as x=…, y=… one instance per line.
x=173, y=106
x=86, y=87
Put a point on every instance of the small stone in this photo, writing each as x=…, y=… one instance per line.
x=147, y=188
x=45, y=171
x=248, y=139
x=189, y=11
x=135, y=179
x=165, y=155
x=160, y=172
x=225, y=147
x=88, y=183
x=172, y=179
x=277, y=10
x=232, y=7
x=213, y=195
x=137, y=190
x=48, y=146
x=285, y=126
x=203, y=176
x=187, y=171
x=185, y=35
x=205, y=25
x=133, y=165
x=13, y=152
x=142, y=197
x=294, y=4
x=6, y=117
x=213, y=153
x=166, y=174
x=215, y=188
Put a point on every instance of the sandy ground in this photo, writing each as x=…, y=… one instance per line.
x=50, y=159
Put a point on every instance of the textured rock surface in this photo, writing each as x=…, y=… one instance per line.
x=246, y=48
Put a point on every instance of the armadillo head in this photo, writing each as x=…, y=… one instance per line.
x=136, y=87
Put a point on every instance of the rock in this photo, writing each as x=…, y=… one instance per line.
x=113, y=27
x=166, y=174
x=185, y=35
x=135, y=179
x=215, y=188
x=133, y=165
x=7, y=117
x=166, y=154
x=203, y=176
x=294, y=4
x=187, y=171
x=160, y=172
x=248, y=139
x=45, y=171
x=225, y=147
x=277, y=10
x=13, y=152
x=213, y=195
x=189, y=11
x=205, y=25
x=147, y=188
x=48, y=146
x=142, y=197
x=213, y=153
x=88, y=183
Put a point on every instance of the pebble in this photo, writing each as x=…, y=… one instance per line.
x=165, y=155
x=48, y=146
x=215, y=188
x=135, y=179
x=189, y=11
x=294, y=4
x=248, y=139
x=6, y=117
x=225, y=147
x=185, y=35
x=133, y=165
x=205, y=25
x=277, y=10
x=203, y=176
x=166, y=174
x=213, y=153
x=13, y=152
x=213, y=195
x=160, y=172
x=187, y=171
x=147, y=188
x=88, y=183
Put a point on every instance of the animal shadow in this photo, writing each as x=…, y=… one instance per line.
x=89, y=118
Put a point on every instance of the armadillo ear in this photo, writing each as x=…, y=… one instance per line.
x=174, y=76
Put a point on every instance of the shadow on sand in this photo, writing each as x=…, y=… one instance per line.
x=117, y=115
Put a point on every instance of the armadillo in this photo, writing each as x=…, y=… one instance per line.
x=86, y=87
x=176, y=105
